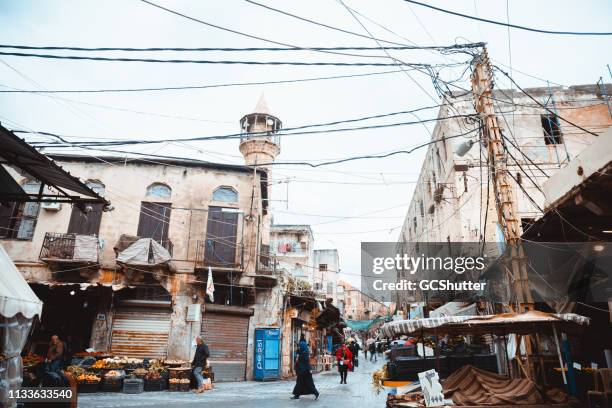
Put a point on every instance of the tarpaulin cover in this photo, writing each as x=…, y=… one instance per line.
x=145, y=251
x=471, y=386
x=363, y=324
x=18, y=305
x=525, y=323
x=16, y=296
x=86, y=248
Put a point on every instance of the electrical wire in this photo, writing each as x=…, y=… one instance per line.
x=398, y=47
x=190, y=87
x=500, y=23
x=541, y=105
x=292, y=131
x=295, y=163
x=214, y=62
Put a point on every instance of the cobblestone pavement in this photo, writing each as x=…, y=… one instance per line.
x=357, y=393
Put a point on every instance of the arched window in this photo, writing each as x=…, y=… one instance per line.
x=97, y=186
x=225, y=194
x=159, y=190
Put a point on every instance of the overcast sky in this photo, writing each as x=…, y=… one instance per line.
x=379, y=189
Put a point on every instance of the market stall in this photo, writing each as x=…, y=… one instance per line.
x=467, y=385
x=18, y=307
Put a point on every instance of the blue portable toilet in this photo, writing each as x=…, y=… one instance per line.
x=267, y=354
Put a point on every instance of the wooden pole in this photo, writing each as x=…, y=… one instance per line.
x=507, y=213
x=559, y=354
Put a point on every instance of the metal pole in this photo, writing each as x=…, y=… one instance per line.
x=559, y=354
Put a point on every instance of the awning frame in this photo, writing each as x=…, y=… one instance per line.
x=58, y=178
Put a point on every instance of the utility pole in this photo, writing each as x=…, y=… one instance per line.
x=482, y=88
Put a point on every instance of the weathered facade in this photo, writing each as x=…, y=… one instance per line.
x=129, y=281
x=293, y=249
x=453, y=200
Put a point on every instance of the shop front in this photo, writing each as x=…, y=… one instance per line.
x=225, y=329
x=69, y=312
x=141, y=322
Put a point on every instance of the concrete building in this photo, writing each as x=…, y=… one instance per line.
x=293, y=248
x=132, y=281
x=453, y=200
x=326, y=269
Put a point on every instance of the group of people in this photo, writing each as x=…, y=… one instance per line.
x=346, y=359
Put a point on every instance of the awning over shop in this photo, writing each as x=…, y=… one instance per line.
x=16, y=296
x=17, y=153
x=363, y=325
x=501, y=324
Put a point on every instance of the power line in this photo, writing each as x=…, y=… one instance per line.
x=213, y=62
x=188, y=87
x=541, y=105
x=295, y=163
x=500, y=23
x=234, y=49
x=300, y=131
x=255, y=37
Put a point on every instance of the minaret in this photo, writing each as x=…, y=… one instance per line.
x=259, y=140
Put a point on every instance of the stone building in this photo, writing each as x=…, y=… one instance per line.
x=131, y=281
x=293, y=249
x=453, y=199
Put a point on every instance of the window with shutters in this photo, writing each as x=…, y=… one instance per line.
x=18, y=220
x=225, y=194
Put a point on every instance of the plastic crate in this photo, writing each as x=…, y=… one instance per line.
x=133, y=386
x=112, y=385
x=159, y=384
x=84, y=388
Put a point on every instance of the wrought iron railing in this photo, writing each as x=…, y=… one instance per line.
x=218, y=253
x=63, y=246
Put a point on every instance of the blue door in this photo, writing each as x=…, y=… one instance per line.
x=267, y=354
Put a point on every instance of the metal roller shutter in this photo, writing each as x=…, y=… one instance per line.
x=227, y=337
x=140, y=332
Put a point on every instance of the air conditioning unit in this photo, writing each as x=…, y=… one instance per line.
x=51, y=205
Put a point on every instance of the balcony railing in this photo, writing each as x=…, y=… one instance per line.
x=218, y=254
x=70, y=248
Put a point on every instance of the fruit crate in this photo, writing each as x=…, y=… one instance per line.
x=87, y=387
x=133, y=386
x=112, y=384
x=159, y=384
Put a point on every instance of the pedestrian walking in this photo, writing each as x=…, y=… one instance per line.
x=345, y=362
x=354, y=349
x=372, y=348
x=304, y=384
x=199, y=362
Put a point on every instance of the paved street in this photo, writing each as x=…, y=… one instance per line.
x=357, y=393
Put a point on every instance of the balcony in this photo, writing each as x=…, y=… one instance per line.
x=219, y=255
x=70, y=248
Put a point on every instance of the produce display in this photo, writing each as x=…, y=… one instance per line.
x=76, y=370
x=114, y=373
x=88, y=378
x=140, y=372
x=32, y=360
x=87, y=354
x=179, y=381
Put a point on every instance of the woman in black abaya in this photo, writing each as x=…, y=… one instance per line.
x=304, y=384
